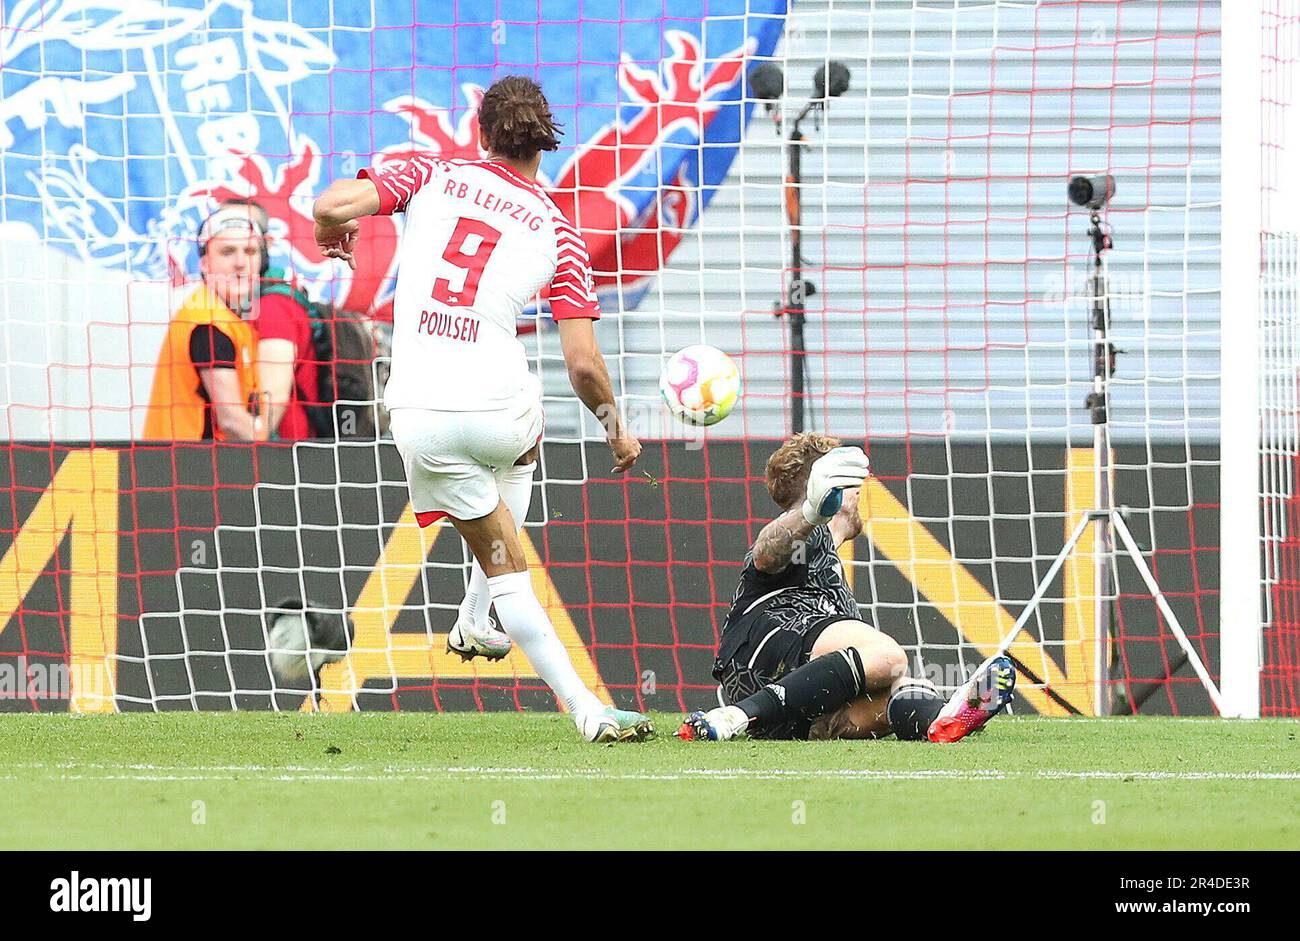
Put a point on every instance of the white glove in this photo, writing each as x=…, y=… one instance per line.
x=833, y=473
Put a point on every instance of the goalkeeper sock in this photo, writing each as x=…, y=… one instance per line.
x=818, y=686
x=526, y=622
x=912, y=708
x=515, y=484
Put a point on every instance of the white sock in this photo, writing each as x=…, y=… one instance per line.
x=515, y=484
x=526, y=622
x=474, y=606
x=736, y=720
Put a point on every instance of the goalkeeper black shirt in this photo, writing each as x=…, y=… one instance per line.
x=811, y=587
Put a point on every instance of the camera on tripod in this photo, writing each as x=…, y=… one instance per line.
x=1092, y=192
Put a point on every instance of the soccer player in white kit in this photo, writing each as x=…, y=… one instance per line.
x=481, y=240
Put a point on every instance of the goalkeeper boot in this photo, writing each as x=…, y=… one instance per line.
x=469, y=641
x=610, y=725
x=716, y=725
x=984, y=696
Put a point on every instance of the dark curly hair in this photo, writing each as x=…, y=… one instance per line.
x=515, y=119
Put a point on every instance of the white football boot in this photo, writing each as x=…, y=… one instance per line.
x=609, y=725
x=469, y=641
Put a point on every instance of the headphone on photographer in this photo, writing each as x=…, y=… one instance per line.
x=237, y=214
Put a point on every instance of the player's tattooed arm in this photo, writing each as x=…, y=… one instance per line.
x=780, y=540
x=847, y=523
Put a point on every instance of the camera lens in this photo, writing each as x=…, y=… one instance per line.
x=838, y=84
x=766, y=81
x=1092, y=192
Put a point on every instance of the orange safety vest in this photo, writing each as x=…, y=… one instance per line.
x=179, y=409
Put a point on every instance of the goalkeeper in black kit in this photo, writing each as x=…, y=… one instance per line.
x=796, y=660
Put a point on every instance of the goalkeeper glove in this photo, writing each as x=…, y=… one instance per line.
x=833, y=473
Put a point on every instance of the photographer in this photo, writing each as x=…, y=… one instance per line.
x=206, y=384
x=237, y=363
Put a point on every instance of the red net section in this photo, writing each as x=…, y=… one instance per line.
x=1280, y=676
x=1167, y=108
x=952, y=332
x=948, y=333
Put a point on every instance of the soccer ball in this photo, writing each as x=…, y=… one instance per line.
x=700, y=385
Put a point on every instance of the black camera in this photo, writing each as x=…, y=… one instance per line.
x=767, y=81
x=1092, y=192
x=832, y=81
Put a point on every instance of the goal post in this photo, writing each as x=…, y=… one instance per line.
x=1242, y=157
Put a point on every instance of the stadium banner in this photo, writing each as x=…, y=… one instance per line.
x=164, y=108
x=141, y=577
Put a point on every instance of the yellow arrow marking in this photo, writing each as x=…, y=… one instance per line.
x=81, y=499
x=378, y=652
x=958, y=595
x=1077, y=581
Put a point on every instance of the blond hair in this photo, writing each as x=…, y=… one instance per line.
x=790, y=464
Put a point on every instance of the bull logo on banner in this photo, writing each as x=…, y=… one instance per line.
x=211, y=101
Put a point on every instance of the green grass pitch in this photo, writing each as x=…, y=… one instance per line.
x=524, y=781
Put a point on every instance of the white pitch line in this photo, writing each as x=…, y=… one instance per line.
x=1080, y=721
x=77, y=772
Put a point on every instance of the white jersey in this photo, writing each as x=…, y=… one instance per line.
x=480, y=243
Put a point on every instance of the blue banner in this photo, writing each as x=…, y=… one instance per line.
x=121, y=123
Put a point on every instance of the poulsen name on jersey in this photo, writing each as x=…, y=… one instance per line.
x=438, y=324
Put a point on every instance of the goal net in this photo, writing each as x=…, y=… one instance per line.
x=947, y=328
x=1279, y=362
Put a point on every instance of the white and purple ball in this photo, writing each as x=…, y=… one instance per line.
x=700, y=385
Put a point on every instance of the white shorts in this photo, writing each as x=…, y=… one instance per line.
x=452, y=458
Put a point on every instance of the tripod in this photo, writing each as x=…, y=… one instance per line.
x=800, y=288
x=768, y=83
x=1109, y=521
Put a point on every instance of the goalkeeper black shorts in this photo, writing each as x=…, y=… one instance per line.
x=760, y=648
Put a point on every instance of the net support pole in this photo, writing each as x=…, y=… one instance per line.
x=1240, y=607
x=1131, y=547
x=796, y=296
x=1098, y=405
